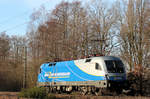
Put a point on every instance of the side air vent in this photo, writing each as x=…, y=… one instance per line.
x=88, y=60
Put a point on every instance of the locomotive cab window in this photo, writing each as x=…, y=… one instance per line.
x=52, y=64
x=98, y=67
x=87, y=60
x=114, y=66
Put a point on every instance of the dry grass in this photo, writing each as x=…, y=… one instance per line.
x=99, y=97
x=8, y=95
x=14, y=95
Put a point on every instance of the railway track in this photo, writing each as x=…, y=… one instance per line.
x=67, y=96
x=14, y=95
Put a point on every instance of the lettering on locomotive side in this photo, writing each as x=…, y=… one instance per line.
x=57, y=75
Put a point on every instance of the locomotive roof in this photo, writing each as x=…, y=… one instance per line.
x=106, y=58
x=98, y=58
x=90, y=59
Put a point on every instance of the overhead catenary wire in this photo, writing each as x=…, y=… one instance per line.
x=12, y=18
x=16, y=26
x=17, y=16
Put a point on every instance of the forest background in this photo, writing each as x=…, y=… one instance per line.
x=74, y=30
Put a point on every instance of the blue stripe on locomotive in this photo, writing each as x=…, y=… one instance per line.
x=65, y=71
x=117, y=77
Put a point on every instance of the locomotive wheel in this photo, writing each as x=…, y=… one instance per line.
x=114, y=93
x=83, y=91
x=119, y=91
x=98, y=93
x=50, y=90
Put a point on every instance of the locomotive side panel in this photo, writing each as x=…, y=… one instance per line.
x=67, y=73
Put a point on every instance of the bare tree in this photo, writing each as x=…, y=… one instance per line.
x=103, y=20
x=4, y=46
x=133, y=35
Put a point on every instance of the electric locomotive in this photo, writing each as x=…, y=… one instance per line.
x=90, y=75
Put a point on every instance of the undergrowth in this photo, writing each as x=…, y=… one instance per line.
x=36, y=92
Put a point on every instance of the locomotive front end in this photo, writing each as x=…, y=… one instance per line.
x=115, y=74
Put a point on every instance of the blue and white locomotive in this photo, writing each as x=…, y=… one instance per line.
x=89, y=75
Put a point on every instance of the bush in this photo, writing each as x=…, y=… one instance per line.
x=35, y=92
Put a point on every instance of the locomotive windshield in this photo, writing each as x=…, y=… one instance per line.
x=114, y=66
